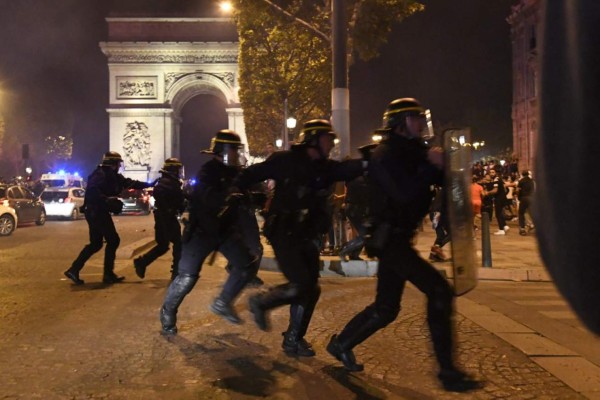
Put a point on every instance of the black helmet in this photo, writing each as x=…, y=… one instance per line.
x=172, y=166
x=312, y=130
x=367, y=150
x=111, y=158
x=399, y=109
x=222, y=139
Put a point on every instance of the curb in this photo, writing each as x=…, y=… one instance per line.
x=332, y=266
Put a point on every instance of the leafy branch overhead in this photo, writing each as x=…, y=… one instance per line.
x=285, y=54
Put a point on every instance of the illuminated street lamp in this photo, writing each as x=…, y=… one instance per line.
x=291, y=123
x=226, y=6
x=278, y=143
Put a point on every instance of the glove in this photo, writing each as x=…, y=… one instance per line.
x=114, y=205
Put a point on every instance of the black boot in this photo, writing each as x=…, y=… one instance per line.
x=345, y=356
x=295, y=346
x=261, y=303
x=300, y=316
x=111, y=277
x=455, y=380
x=351, y=250
x=224, y=309
x=177, y=291
x=362, y=326
x=74, y=276
x=260, y=315
x=140, y=267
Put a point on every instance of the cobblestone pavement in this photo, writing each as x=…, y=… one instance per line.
x=102, y=342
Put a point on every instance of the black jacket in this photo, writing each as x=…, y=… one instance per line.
x=302, y=187
x=105, y=182
x=402, y=179
x=208, y=198
x=168, y=195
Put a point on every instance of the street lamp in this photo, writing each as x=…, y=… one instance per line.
x=226, y=6
x=290, y=123
x=278, y=143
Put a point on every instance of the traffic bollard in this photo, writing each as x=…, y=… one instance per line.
x=486, y=245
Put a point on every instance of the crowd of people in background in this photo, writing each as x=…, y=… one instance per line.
x=498, y=189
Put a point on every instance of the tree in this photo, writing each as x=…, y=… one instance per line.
x=285, y=54
x=58, y=148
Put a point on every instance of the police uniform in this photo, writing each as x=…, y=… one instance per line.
x=169, y=202
x=103, y=187
x=210, y=229
x=401, y=172
x=297, y=216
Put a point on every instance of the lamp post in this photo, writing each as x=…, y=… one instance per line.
x=288, y=123
x=340, y=94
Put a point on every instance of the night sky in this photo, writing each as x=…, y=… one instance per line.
x=455, y=57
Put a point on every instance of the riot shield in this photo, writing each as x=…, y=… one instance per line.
x=457, y=150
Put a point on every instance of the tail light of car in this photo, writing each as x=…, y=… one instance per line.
x=4, y=202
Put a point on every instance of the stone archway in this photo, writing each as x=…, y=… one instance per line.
x=151, y=81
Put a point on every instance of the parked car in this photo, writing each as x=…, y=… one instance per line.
x=28, y=207
x=135, y=201
x=63, y=202
x=8, y=220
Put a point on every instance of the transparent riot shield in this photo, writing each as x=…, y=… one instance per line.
x=457, y=150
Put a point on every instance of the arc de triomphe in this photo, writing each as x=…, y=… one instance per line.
x=155, y=66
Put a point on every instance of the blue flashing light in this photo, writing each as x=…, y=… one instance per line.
x=76, y=173
x=61, y=172
x=193, y=182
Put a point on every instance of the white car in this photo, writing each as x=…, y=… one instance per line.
x=8, y=220
x=63, y=202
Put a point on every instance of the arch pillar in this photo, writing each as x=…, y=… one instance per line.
x=235, y=117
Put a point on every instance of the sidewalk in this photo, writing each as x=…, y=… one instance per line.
x=514, y=258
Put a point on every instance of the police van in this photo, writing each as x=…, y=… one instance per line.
x=62, y=179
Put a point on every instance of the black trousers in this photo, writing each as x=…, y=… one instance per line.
x=298, y=259
x=101, y=227
x=499, y=207
x=524, y=204
x=166, y=230
x=399, y=263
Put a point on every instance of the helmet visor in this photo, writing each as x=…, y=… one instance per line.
x=428, y=132
x=233, y=155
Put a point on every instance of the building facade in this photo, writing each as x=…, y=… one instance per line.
x=156, y=65
x=524, y=21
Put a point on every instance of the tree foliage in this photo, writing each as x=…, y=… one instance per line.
x=285, y=54
x=58, y=148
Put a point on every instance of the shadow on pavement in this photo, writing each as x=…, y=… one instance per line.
x=365, y=390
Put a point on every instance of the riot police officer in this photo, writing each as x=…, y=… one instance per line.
x=297, y=216
x=104, y=185
x=402, y=169
x=212, y=227
x=169, y=202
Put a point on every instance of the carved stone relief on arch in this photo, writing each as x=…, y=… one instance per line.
x=136, y=145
